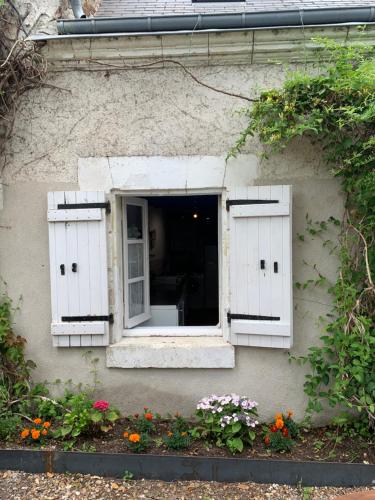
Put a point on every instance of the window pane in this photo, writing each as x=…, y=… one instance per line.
x=134, y=222
x=136, y=302
x=135, y=260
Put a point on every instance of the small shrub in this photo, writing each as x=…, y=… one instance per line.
x=179, y=423
x=176, y=440
x=37, y=433
x=8, y=426
x=84, y=416
x=227, y=420
x=280, y=435
x=137, y=443
x=143, y=423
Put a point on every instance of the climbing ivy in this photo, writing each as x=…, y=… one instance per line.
x=335, y=106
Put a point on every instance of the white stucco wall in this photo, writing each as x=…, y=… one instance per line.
x=159, y=112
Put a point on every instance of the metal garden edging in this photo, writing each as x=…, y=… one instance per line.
x=178, y=467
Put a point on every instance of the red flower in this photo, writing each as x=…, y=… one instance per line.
x=148, y=416
x=101, y=405
x=267, y=440
x=285, y=432
x=273, y=428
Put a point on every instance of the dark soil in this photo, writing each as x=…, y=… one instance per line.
x=319, y=444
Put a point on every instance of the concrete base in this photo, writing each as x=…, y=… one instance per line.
x=171, y=352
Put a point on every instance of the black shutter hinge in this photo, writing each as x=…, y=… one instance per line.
x=229, y=203
x=71, y=319
x=75, y=206
x=253, y=317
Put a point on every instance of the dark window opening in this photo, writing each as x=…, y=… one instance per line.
x=184, y=270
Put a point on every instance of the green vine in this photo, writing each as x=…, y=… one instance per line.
x=15, y=370
x=336, y=107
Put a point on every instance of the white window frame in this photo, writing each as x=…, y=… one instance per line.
x=140, y=318
x=174, y=331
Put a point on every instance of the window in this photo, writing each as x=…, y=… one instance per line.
x=171, y=262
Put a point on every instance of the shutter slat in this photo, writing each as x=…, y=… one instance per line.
x=74, y=215
x=79, y=239
x=260, y=266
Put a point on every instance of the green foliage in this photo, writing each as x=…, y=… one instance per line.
x=279, y=443
x=280, y=435
x=177, y=440
x=140, y=444
x=15, y=381
x=9, y=425
x=143, y=423
x=128, y=476
x=336, y=107
x=81, y=418
x=227, y=420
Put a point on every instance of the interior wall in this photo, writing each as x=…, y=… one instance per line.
x=157, y=238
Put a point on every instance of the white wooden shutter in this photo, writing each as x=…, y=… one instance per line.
x=78, y=267
x=260, y=266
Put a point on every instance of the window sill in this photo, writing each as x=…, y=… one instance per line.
x=171, y=352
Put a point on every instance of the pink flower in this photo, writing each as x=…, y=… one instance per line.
x=101, y=405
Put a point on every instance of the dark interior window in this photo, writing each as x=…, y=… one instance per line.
x=183, y=233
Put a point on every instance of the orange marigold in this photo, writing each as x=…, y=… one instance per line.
x=149, y=416
x=126, y=434
x=183, y=433
x=278, y=416
x=35, y=434
x=169, y=433
x=267, y=440
x=44, y=432
x=37, y=421
x=47, y=425
x=25, y=433
x=290, y=413
x=279, y=423
x=134, y=438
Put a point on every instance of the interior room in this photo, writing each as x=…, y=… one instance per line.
x=183, y=259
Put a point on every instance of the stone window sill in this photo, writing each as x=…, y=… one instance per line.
x=171, y=352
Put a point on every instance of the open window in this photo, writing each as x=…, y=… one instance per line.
x=171, y=262
x=136, y=271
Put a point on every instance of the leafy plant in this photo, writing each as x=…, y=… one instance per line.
x=280, y=435
x=336, y=106
x=177, y=440
x=15, y=373
x=127, y=475
x=82, y=417
x=8, y=426
x=37, y=433
x=143, y=423
x=227, y=420
x=137, y=443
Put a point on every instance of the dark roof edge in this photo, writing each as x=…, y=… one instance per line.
x=198, y=22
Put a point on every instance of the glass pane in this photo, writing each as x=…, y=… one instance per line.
x=135, y=260
x=136, y=302
x=134, y=221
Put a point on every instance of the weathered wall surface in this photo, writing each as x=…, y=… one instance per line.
x=155, y=112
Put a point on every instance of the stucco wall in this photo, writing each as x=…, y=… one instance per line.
x=158, y=112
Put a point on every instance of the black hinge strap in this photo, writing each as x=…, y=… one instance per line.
x=229, y=203
x=74, y=206
x=254, y=317
x=71, y=319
